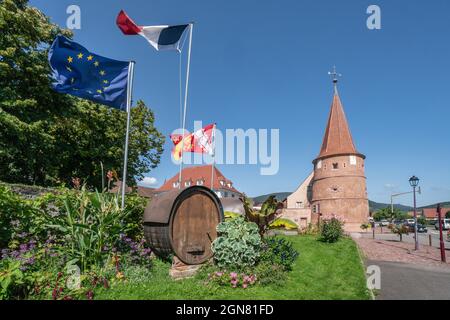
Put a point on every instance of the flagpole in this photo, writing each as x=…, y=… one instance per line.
x=127, y=135
x=191, y=27
x=214, y=156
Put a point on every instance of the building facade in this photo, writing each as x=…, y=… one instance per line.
x=339, y=183
x=337, y=186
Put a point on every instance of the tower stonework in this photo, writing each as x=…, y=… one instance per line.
x=339, y=183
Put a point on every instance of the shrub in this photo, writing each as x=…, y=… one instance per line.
x=238, y=244
x=231, y=215
x=365, y=226
x=282, y=223
x=16, y=216
x=279, y=251
x=312, y=229
x=90, y=225
x=331, y=230
x=264, y=217
x=232, y=279
x=400, y=230
x=268, y=273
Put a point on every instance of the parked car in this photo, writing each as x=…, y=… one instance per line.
x=398, y=222
x=384, y=223
x=445, y=224
x=410, y=221
x=420, y=228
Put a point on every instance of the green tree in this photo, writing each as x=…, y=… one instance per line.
x=421, y=220
x=447, y=215
x=47, y=138
x=386, y=213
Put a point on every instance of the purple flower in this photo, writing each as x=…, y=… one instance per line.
x=23, y=248
x=233, y=275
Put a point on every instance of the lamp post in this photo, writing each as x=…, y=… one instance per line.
x=414, y=182
x=441, y=237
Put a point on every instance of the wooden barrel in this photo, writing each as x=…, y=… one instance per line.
x=183, y=222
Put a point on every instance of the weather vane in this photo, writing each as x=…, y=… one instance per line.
x=335, y=75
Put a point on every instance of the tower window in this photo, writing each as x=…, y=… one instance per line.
x=335, y=166
x=353, y=160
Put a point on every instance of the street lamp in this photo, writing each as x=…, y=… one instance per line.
x=414, y=182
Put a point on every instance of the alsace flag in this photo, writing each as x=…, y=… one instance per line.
x=160, y=37
x=197, y=142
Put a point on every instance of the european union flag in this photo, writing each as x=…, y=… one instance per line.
x=81, y=73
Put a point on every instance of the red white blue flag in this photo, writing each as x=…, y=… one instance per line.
x=162, y=37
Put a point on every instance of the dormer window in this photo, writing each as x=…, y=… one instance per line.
x=222, y=183
x=229, y=185
x=176, y=184
x=319, y=164
x=187, y=184
x=200, y=182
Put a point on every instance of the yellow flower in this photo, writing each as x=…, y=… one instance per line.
x=120, y=275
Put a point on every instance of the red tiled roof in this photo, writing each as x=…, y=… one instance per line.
x=337, y=139
x=430, y=213
x=193, y=174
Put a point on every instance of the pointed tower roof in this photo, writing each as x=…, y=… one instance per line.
x=338, y=139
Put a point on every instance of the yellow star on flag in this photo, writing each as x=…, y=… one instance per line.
x=80, y=55
x=96, y=63
x=99, y=91
x=90, y=58
x=69, y=68
x=72, y=80
x=102, y=73
x=105, y=81
x=70, y=59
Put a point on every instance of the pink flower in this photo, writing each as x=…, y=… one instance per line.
x=219, y=274
x=233, y=275
x=244, y=286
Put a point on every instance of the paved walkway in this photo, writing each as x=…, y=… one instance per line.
x=407, y=274
x=396, y=251
x=401, y=281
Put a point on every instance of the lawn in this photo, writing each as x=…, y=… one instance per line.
x=322, y=271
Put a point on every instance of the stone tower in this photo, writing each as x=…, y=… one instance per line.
x=339, y=184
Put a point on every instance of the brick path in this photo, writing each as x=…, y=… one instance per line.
x=396, y=251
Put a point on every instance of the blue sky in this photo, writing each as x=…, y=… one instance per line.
x=264, y=64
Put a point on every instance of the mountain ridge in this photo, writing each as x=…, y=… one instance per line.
x=373, y=205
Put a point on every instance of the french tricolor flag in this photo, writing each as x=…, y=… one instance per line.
x=160, y=37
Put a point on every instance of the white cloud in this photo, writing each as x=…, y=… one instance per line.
x=148, y=182
x=390, y=186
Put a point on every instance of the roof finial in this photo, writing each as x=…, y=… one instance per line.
x=335, y=76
